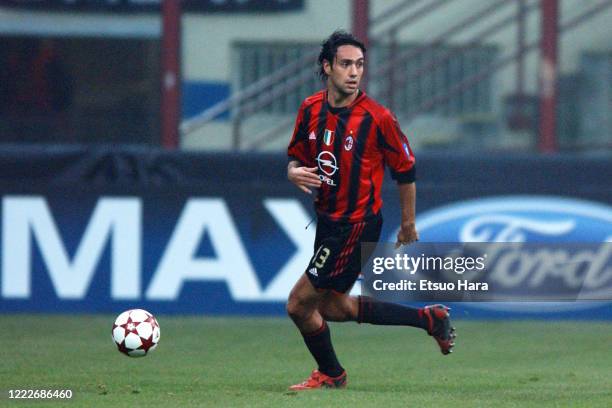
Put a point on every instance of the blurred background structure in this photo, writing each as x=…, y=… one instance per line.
x=464, y=75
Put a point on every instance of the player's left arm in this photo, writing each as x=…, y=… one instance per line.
x=399, y=157
x=408, y=232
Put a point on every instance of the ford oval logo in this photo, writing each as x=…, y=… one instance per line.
x=519, y=219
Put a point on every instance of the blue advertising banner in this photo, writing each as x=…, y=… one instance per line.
x=103, y=230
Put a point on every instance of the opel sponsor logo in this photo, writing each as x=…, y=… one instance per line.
x=327, y=163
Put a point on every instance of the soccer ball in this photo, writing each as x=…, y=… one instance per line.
x=136, y=332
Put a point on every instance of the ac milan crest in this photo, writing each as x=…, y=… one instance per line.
x=348, y=143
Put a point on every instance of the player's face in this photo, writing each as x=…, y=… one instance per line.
x=345, y=73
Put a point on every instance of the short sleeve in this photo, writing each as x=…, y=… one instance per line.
x=298, y=147
x=396, y=150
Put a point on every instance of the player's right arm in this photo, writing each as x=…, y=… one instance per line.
x=303, y=177
x=300, y=157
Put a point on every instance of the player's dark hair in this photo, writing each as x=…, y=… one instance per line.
x=329, y=48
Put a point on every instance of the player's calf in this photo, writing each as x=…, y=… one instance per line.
x=339, y=307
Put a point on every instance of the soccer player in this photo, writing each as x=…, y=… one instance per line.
x=341, y=142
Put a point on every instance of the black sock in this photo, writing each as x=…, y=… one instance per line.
x=320, y=346
x=389, y=314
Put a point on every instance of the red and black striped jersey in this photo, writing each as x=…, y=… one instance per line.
x=350, y=146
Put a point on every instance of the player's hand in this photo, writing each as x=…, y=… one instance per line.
x=304, y=177
x=407, y=234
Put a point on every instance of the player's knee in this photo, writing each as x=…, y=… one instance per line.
x=296, y=309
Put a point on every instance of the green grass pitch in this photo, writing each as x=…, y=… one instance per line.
x=249, y=362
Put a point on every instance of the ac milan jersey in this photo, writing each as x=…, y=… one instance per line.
x=350, y=146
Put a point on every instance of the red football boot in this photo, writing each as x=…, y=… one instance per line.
x=319, y=380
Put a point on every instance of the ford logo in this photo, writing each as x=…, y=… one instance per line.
x=519, y=219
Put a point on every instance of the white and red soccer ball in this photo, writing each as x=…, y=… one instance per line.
x=136, y=332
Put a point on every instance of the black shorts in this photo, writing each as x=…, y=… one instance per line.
x=336, y=263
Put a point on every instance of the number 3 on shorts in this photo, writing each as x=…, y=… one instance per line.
x=324, y=253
